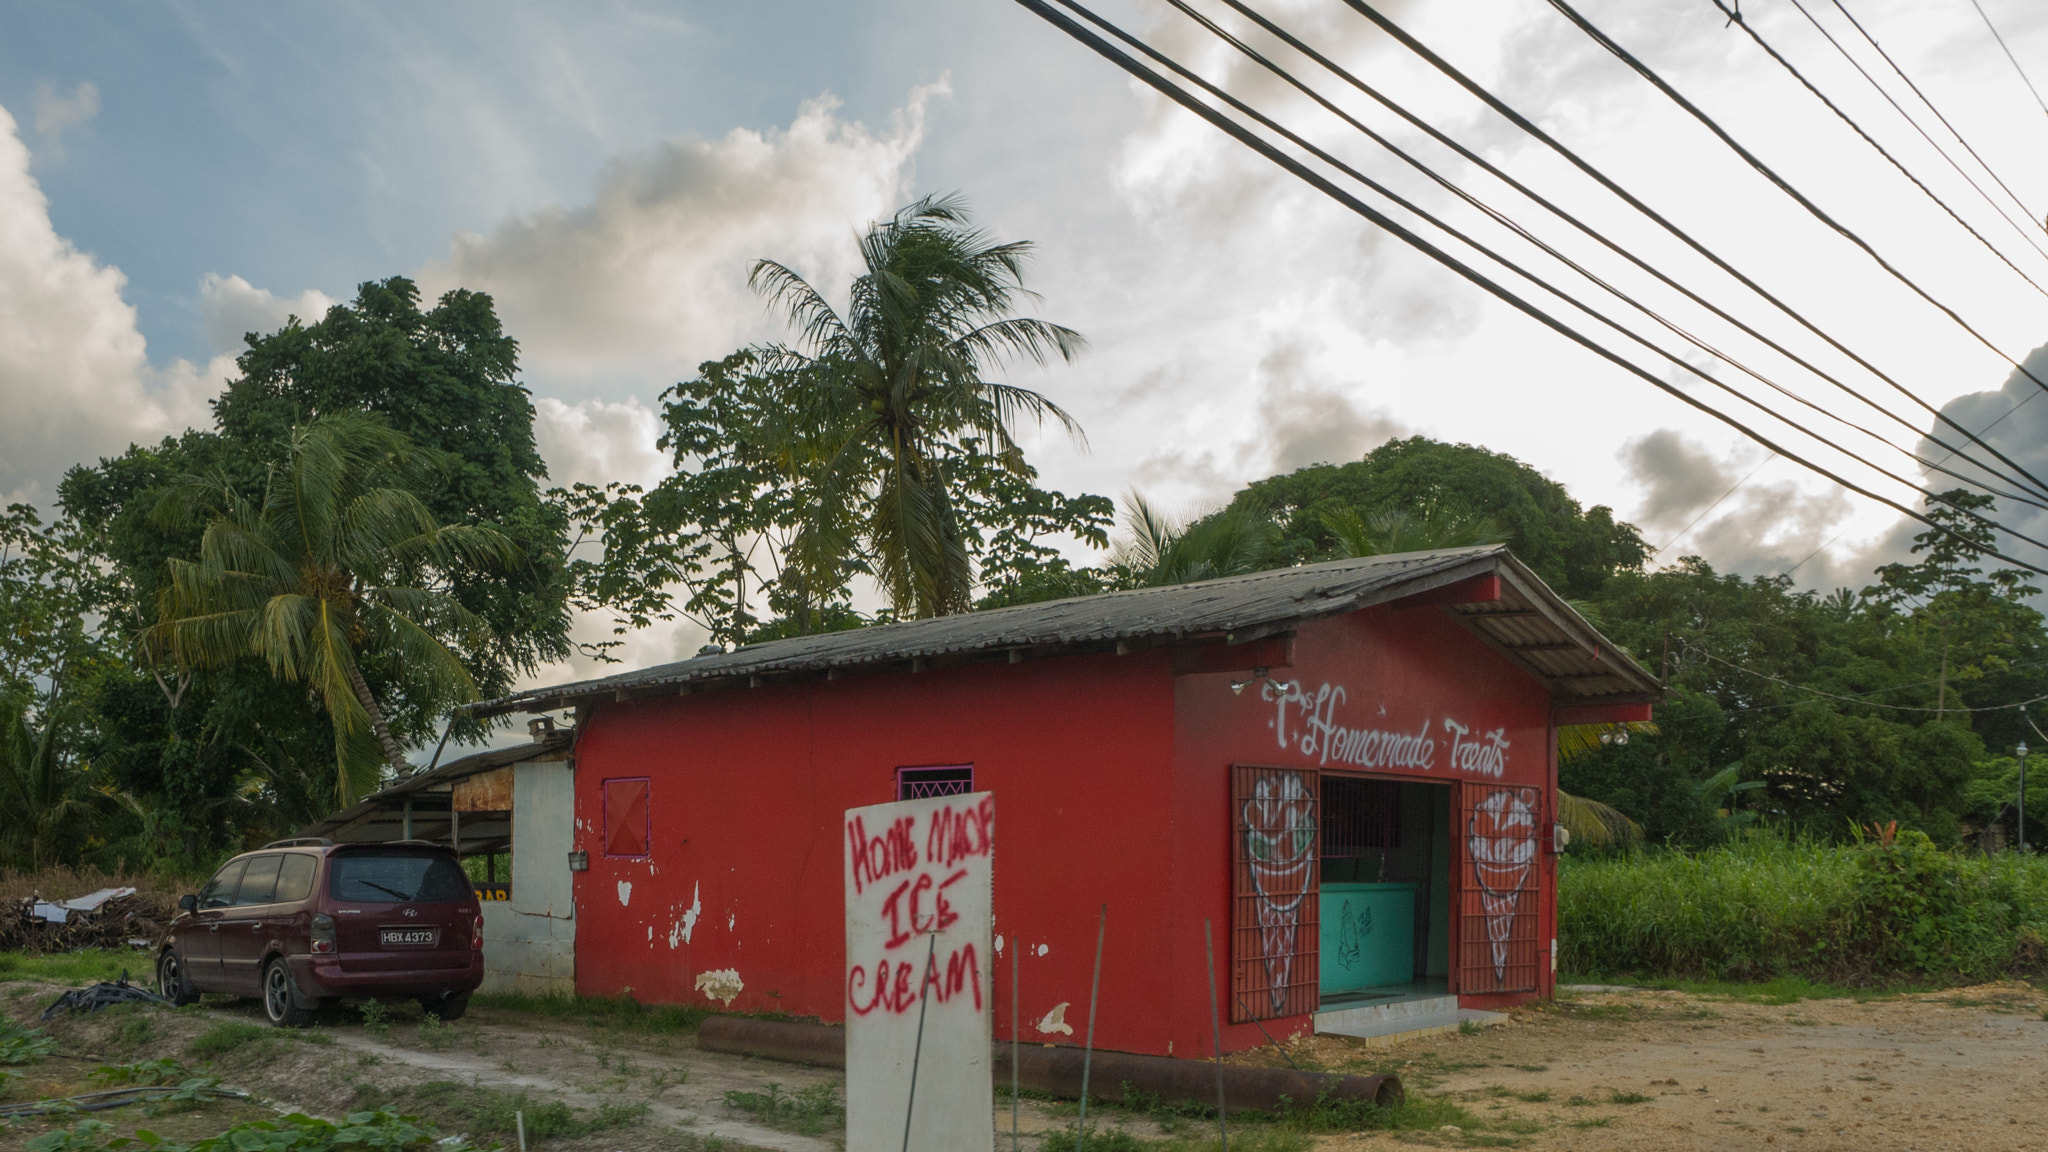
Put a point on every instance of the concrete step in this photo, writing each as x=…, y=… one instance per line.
x=1396, y=1027
x=1373, y=1014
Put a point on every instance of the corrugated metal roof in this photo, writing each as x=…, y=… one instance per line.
x=1232, y=609
x=363, y=819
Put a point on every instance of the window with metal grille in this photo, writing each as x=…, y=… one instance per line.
x=627, y=823
x=1500, y=874
x=946, y=780
x=1360, y=817
x=1275, y=874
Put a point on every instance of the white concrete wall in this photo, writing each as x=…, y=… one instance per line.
x=530, y=940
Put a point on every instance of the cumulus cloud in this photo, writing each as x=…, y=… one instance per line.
x=1732, y=510
x=653, y=269
x=75, y=380
x=2013, y=419
x=599, y=442
x=231, y=307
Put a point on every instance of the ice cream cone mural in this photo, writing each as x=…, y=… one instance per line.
x=1280, y=846
x=1501, y=836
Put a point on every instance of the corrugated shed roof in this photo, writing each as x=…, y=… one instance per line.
x=1531, y=624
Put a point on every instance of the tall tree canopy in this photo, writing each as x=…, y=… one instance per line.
x=1450, y=491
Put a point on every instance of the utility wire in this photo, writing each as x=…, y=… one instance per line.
x=1735, y=17
x=1472, y=157
x=2009, y=56
x=1901, y=74
x=1856, y=700
x=1510, y=224
x=1414, y=209
x=1716, y=504
x=1323, y=184
x=1525, y=124
x=1765, y=170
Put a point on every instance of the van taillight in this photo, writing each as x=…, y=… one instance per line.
x=323, y=932
x=476, y=933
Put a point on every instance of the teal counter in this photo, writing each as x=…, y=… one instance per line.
x=1368, y=936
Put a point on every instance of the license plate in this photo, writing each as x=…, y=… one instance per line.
x=405, y=936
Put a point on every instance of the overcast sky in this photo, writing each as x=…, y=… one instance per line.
x=173, y=175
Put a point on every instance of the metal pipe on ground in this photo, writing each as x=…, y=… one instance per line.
x=1057, y=1070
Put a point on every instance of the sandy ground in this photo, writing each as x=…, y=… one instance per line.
x=1652, y=1071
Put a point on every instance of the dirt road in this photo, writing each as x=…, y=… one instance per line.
x=1611, y=1070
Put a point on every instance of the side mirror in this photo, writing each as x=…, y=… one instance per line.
x=189, y=902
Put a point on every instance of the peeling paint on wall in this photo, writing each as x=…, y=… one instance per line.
x=625, y=892
x=682, y=928
x=1043, y=949
x=724, y=985
x=1056, y=1020
x=999, y=945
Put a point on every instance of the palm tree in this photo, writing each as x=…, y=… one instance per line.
x=46, y=794
x=335, y=565
x=1162, y=551
x=898, y=380
x=1391, y=530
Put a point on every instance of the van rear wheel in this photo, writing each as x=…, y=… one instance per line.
x=280, y=999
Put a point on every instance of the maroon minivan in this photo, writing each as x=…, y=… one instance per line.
x=300, y=923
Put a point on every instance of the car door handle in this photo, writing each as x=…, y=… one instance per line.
x=257, y=927
x=213, y=927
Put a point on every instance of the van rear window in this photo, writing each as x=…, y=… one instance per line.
x=396, y=878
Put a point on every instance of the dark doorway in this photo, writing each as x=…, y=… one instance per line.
x=1385, y=897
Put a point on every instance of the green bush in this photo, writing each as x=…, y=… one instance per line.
x=1765, y=907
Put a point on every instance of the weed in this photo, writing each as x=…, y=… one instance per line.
x=376, y=1018
x=1578, y=1102
x=1619, y=1097
x=1099, y=1140
x=1530, y=1067
x=1470, y=1028
x=436, y=1033
x=807, y=1111
x=20, y=1045
x=621, y=1012
x=1603, y=1011
x=1594, y=1121
x=1537, y=1097
x=1802, y=1022
x=158, y=1071
x=73, y=969
x=227, y=1037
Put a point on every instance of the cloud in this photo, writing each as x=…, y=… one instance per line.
x=231, y=307
x=2014, y=420
x=55, y=115
x=1738, y=512
x=598, y=442
x=1308, y=422
x=75, y=380
x=652, y=271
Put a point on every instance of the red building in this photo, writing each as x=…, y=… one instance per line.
x=1348, y=769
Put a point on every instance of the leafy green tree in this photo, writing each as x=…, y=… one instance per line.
x=446, y=378
x=1392, y=530
x=48, y=794
x=1161, y=550
x=337, y=567
x=1436, y=493
x=892, y=395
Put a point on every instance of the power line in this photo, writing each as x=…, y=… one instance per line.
x=1321, y=183
x=1716, y=504
x=1765, y=170
x=2009, y=56
x=1525, y=124
x=1496, y=257
x=1472, y=157
x=1735, y=17
x=1857, y=700
x=1952, y=130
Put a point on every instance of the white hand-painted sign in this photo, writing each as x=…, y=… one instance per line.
x=919, y=924
x=1315, y=732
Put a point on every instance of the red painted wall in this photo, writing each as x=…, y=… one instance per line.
x=1111, y=783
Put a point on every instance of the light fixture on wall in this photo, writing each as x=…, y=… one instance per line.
x=1283, y=687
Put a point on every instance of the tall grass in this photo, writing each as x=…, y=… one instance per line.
x=1767, y=906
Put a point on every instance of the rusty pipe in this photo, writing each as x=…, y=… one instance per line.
x=1057, y=1069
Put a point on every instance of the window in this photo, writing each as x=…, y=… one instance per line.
x=627, y=831
x=295, y=879
x=919, y=783
x=220, y=891
x=398, y=878
x=259, y=883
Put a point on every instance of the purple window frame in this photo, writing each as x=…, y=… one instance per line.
x=647, y=833
x=904, y=783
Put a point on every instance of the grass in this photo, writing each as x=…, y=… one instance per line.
x=806, y=1111
x=480, y=1111
x=227, y=1037
x=1825, y=918
x=620, y=1012
x=1779, y=990
x=76, y=969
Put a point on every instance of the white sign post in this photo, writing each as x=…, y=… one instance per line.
x=919, y=1001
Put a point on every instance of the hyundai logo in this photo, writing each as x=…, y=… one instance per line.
x=412, y=912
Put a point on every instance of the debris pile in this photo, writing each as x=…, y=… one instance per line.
x=108, y=918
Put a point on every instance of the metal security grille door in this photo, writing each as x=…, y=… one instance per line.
x=1497, y=850
x=1274, y=870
